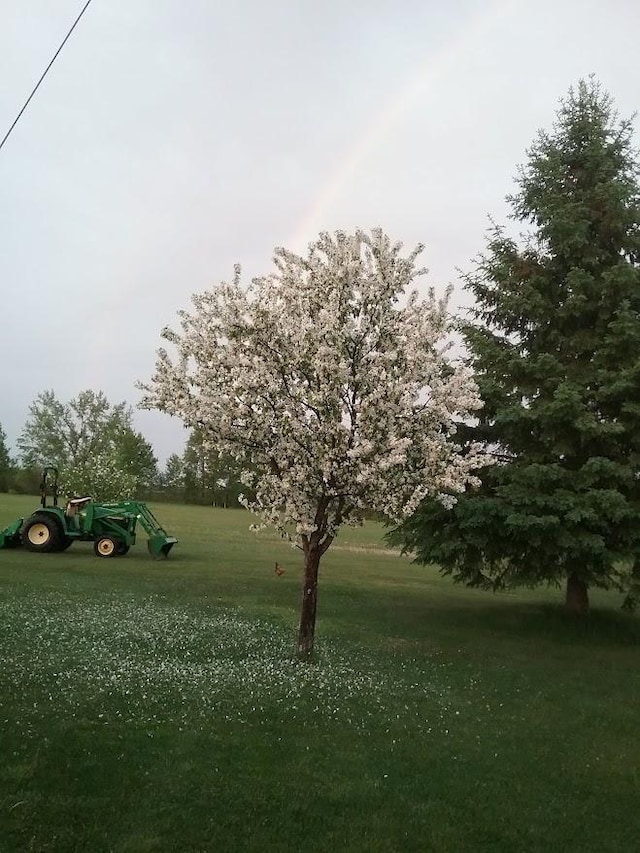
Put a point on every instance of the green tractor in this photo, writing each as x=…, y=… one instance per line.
x=110, y=526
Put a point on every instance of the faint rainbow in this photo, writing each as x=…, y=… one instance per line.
x=391, y=113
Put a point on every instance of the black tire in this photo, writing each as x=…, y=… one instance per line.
x=122, y=549
x=66, y=541
x=105, y=547
x=41, y=533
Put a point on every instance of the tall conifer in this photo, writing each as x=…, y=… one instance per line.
x=554, y=341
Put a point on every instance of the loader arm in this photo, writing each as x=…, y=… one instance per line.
x=160, y=542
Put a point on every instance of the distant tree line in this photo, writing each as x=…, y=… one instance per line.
x=99, y=453
x=200, y=475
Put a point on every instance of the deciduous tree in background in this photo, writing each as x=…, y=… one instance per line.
x=6, y=463
x=555, y=348
x=172, y=478
x=332, y=396
x=208, y=476
x=92, y=442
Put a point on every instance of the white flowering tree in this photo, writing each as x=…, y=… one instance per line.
x=103, y=479
x=334, y=395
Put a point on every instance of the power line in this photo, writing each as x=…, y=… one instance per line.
x=44, y=74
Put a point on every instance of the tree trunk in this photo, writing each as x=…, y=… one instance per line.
x=577, y=597
x=307, y=630
x=632, y=598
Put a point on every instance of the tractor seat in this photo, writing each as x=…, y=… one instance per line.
x=75, y=505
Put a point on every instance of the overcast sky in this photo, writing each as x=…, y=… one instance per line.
x=173, y=138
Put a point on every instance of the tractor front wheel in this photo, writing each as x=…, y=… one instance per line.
x=41, y=533
x=105, y=546
x=122, y=549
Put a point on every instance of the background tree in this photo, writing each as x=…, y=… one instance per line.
x=134, y=456
x=210, y=478
x=555, y=346
x=6, y=463
x=69, y=433
x=91, y=441
x=103, y=480
x=172, y=478
x=331, y=397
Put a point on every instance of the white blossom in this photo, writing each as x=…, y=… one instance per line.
x=101, y=478
x=332, y=389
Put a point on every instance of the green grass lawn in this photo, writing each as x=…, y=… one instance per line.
x=157, y=706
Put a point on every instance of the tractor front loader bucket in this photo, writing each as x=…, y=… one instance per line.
x=160, y=545
x=10, y=536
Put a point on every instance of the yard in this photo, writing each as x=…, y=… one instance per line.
x=157, y=706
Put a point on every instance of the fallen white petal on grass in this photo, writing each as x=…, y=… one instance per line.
x=152, y=662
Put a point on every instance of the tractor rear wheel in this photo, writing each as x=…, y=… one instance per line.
x=41, y=533
x=105, y=546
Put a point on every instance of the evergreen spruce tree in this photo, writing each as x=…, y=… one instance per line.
x=554, y=341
